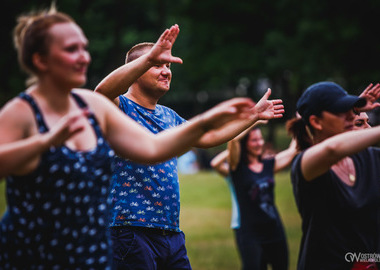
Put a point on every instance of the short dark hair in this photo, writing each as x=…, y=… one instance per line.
x=138, y=50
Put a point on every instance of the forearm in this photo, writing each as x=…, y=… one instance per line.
x=225, y=133
x=16, y=155
x=283, y=159
x=320, y=157
x=349, y=143
x=145, y=147
x=119, y=80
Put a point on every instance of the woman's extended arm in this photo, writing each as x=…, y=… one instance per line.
x=284, y=158
x=220, y=164
x=132, y=141
x=319, y=158
x=264, y=110
x=20, y=147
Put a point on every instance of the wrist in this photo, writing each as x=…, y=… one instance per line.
x=202, y=123
x=45, y=141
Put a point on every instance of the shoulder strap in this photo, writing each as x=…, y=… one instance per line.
x=82, y=104
x=37, y=112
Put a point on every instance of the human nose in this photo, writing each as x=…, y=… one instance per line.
x=166, y=70
x=84, y=56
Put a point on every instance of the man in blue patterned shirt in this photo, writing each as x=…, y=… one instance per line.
x=146, y=205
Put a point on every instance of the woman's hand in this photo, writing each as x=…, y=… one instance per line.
x=269, y=109
x=371, y=94
x=67, y=127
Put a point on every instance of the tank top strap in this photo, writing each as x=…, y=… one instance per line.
x=81, y=103
x=37, y=112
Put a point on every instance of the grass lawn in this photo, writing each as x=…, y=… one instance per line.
x=205, y=219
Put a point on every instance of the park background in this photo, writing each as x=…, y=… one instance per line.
x=229, y=49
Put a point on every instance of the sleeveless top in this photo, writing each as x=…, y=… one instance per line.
x=255, y=195
x=57, y=215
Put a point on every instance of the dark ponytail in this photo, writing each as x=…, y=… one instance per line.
x=298, y=129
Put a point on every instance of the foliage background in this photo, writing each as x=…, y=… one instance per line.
x=229, y=48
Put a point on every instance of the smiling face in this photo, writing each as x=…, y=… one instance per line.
x=155, y=82
x=67, y=58
x=255, y=143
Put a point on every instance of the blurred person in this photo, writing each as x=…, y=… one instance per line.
x=335, y=179
x=361, y=121
x=220, y=164
x=258, y=229
x=146, y=199
x=57, y=144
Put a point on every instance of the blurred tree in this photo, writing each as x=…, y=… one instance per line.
x=230, y=48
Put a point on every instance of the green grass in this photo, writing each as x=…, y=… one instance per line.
x=2, y=197
x=205, y=219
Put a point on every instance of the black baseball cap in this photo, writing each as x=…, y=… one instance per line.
x=326, y=96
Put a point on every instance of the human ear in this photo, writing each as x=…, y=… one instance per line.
x=315, y=122
x=39, y=62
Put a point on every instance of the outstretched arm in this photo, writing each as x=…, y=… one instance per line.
x=219, y=163
x=264, y=110
x=118, y=81
x=132, y=141
x=284, y=158
x=21, y=147
x=319, y=158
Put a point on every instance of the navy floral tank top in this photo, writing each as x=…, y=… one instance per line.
x=57, y=216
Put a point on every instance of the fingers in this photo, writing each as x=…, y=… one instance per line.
x=279, y=108
x=367, y=89
x=376, y=91
x=267, y=93
x=173, y=33
x=375, y=105
x=170, y=34
x=68, y=126
x=161, y=51
x=276, y=101
x=176, y=60
x=371, y=92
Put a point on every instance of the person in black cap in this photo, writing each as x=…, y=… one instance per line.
x=336, y=179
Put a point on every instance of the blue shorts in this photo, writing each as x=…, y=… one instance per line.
x=148, y=249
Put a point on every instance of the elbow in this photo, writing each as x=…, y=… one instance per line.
x=151, y=157
x=99, y=89
x=332, y=151
x=213, y=164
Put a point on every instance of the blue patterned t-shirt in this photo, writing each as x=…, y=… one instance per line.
x=146, y=195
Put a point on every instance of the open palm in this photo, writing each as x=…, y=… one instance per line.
x=269, y=109
x=161, y=52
